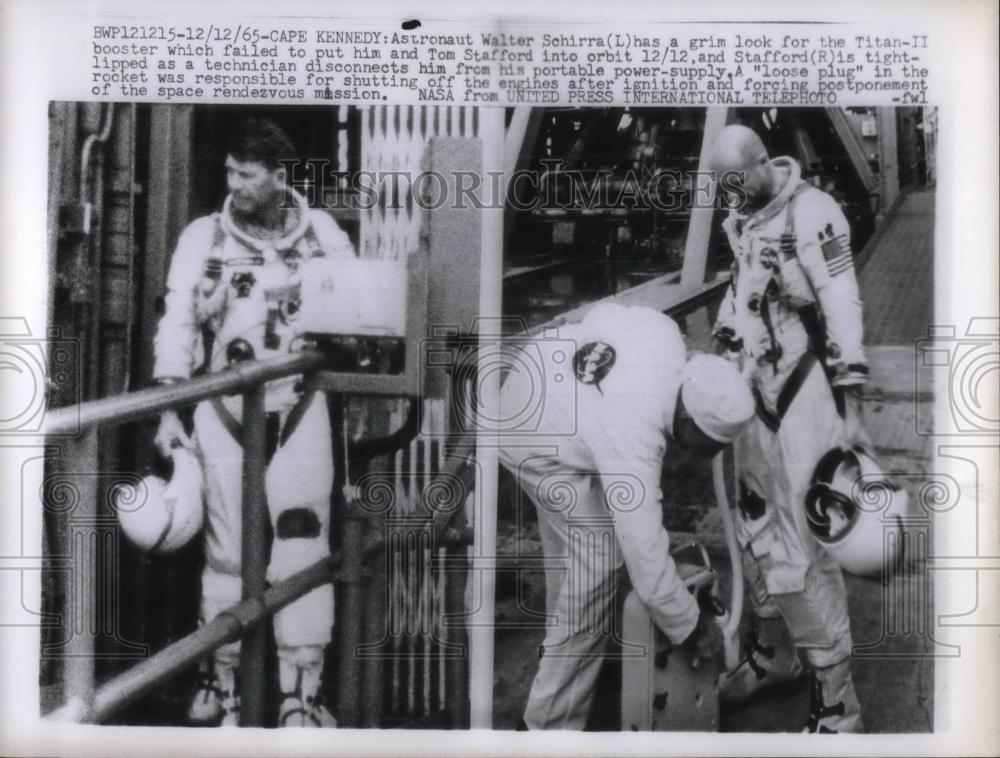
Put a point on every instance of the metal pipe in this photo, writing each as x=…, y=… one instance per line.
x=133, y=406
x=731, y=626
x=702, y=213
x=481, y=620
x=410, y=600
x=133, y=246
x=426, y=621
x=375, y=630
x=366, y=449
x=79, y=613
x=349, y=628
x=439, y=636
x=145, y=677
x=456, y=638
x=253, y=668
x=460, y=478
x=88, y=146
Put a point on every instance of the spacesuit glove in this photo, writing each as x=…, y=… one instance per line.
x=854, y=427
x=707, y=635
x=171, y=434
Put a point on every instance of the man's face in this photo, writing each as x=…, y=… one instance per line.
x=253, y=186
x=689, y=435
x=749, y=184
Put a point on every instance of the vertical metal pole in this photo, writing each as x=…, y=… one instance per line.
x=60, y=136
x=700, y=228
x=888, y=154
x=426, y=618
x=351, y=576
x=457, y=670
x=79, y=612
x=376, y=595
x=168, y=201
x=410, y=619
x=252, y=653
x=484, y=575
x=168, y=211
x=349, y=620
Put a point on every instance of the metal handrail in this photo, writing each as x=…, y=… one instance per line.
x=134, y=406
x=98, y=704
x=228, y=626
x=243, y=620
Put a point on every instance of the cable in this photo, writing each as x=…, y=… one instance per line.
x=732, y=623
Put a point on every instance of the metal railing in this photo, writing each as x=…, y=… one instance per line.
x=354, y=566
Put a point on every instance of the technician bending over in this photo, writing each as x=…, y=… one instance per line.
x=617, y=387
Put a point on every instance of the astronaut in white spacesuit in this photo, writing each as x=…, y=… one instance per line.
x=236, y=276
x=609, y=392
x=792, y=319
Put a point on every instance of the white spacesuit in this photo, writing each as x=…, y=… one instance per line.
x=591, y=463
x=793, y=315
x=246, y=291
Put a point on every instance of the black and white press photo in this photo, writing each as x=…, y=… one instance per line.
x=421, y=382
x=676, y=283
x=265, y=428
x=773, y=240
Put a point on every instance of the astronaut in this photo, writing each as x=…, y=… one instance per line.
x=587, y=431
x=792, y=319
x=233, y=295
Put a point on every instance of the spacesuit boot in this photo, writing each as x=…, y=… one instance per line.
x=217, y=699
x=835, y=707
x=769, y=659
x=300, y=670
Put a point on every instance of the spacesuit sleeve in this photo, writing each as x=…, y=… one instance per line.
x=177, y=334
x=824, y=251
x=331, y=238
x=629, y=457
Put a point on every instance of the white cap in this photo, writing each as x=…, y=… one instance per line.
x=716, y=396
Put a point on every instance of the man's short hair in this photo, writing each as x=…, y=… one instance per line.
x=261, y=140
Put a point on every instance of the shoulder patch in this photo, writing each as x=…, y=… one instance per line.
x=592, y=362
x=836, y=250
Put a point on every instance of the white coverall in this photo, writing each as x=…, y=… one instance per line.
x=783, y=263
x=592, y=468
x=247, y=289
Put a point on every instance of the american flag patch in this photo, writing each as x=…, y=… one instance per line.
x=837, y=254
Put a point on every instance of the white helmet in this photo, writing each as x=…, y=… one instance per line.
x=160, y=516
x=854, y=512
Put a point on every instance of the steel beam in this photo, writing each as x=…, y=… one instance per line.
x=702, y=209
